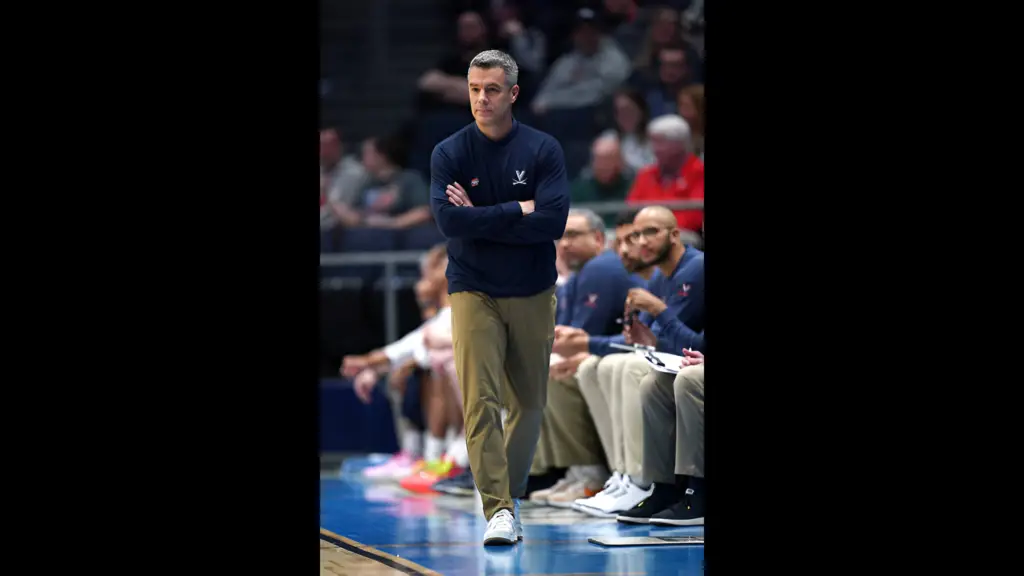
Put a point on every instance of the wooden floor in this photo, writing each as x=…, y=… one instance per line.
x=335, y=561
x=374, y=528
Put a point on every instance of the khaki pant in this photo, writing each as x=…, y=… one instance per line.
x=673, y=408
x=611, y=388
x=502, y=351
x=567, y=436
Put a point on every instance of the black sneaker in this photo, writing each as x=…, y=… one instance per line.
x=460, y=485
x=688, y=512
x=663, y=496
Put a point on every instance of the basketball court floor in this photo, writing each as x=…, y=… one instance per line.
x=368, y=528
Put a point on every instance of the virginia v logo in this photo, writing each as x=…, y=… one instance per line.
x=519, y=177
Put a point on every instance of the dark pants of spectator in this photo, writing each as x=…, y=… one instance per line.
x=412, y=403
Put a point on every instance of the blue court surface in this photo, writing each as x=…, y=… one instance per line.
x=442, y=535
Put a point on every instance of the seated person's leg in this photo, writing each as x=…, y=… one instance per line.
x=658, y=411
x=597, y=404
x=574, y=442
x=626, y=411
x=689, y=450
x=412, y=425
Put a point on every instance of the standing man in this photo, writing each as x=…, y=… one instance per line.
x=499, y=193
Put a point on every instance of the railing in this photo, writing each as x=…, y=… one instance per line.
x=391, y=260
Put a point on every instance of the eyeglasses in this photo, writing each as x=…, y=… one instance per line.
x=649, y=232
x=574, y=234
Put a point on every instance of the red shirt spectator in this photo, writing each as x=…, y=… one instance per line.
x=677, y=174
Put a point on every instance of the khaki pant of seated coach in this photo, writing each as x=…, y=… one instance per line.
x=673, y=407
x=502, y=354
x=567, y=436
x=611, y=388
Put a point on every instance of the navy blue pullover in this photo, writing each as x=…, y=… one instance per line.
x=593, y=298
x=678, y=325
x=492, y=247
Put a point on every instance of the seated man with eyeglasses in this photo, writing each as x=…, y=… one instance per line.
x=672, y=307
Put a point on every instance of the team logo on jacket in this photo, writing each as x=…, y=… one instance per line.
x=519, y=177
x=591, y=301
x=474, y=181
x=685, y=290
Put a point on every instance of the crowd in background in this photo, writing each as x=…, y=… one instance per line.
x=595, y=77
x=620, y=85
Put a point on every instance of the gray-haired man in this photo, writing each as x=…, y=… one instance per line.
x=499, y=193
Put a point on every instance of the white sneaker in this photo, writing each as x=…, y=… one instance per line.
x=628, y=496
x=611, y=489
x=516, y=521
x=501, y=529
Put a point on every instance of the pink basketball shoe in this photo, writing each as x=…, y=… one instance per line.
x=397, y=467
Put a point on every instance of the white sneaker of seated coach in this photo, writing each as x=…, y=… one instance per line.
x=611, y=488
x=626, y=498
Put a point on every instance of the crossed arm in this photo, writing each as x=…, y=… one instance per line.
x=508, y=222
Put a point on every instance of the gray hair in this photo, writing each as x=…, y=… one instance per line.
x=497, y=59
x=593, y=220
x=673, y=127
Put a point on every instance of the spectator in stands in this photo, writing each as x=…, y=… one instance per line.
x=673, y=446
x=623, y=21
x=587, y=74
x=444, y=85
x=664, y=30
x=690, y=103
x=677, y=174
x=607, y=179
x=392, y=197
x=669, y=312
x=592, y=302
x=631, y=119
x=673, y=74
x=527, y=44
x=341, y=177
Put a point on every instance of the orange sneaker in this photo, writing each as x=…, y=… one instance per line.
x=422, y=482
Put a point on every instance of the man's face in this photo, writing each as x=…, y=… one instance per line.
x=489, y=97
x=667, y=152
x=672, y=69
x=330, y=147
x=471, y=30
x=627, y=248
x=579, y=242
x=654, y=238
x=607, y=161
